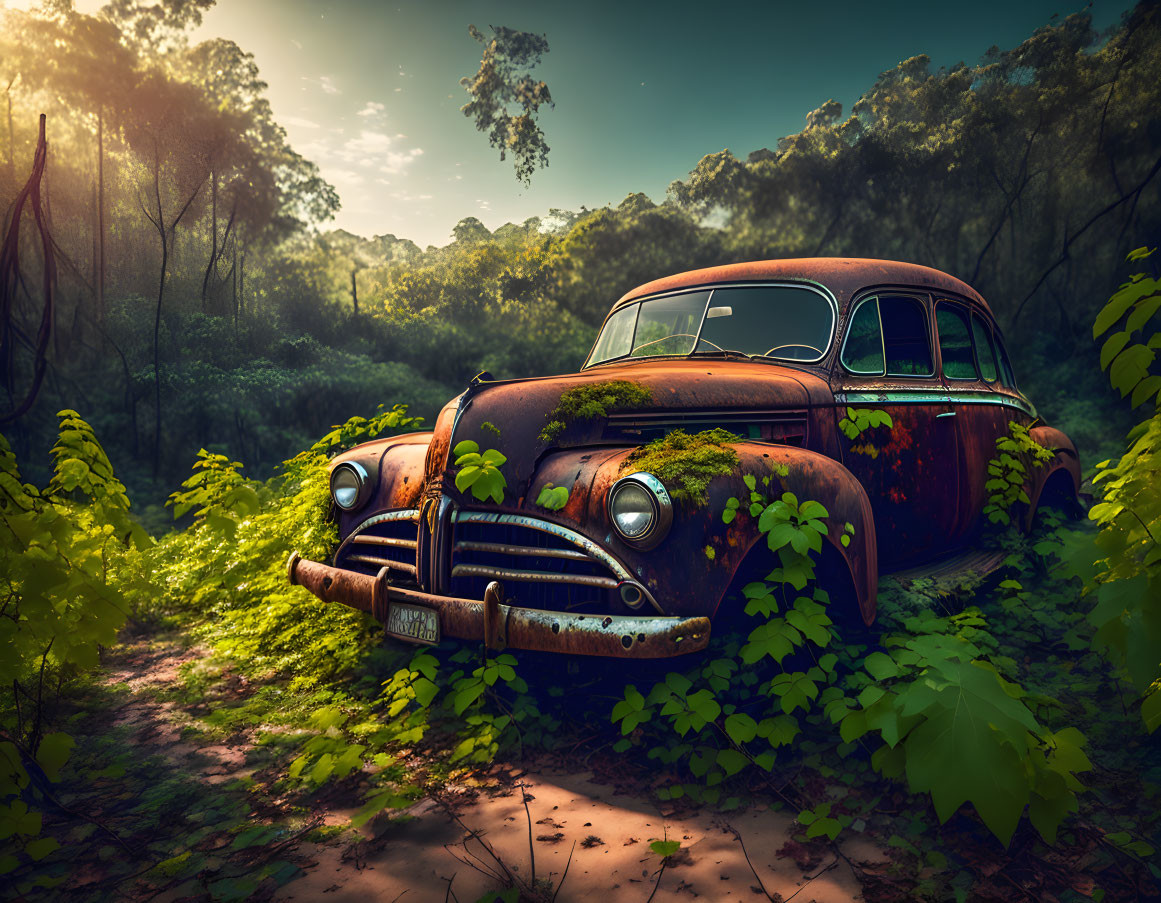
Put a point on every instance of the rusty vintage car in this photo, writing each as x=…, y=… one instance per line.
x=775, y=352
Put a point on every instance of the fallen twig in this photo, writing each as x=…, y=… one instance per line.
x=811, y=878
x=757, y=877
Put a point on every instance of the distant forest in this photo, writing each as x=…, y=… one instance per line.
x=172, y=279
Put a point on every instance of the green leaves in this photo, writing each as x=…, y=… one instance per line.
x=631, y=711
x=1008, y=472
x=740, y=728
x=480, y=471
x=552, y=497
x=861, y=420
x=819, y=822
x=665, y=848
x=1128, y=362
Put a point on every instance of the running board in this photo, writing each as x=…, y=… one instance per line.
x=974, y=561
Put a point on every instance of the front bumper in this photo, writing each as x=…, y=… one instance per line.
x=503, y=626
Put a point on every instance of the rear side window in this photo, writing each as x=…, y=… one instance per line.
x=955, y=344
x=985, y=356
x=888, y=335
x=905, y=337
x=1007, y=376
x=863, y=351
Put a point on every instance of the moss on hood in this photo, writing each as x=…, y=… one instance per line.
x=591, y=401
x=686, y=463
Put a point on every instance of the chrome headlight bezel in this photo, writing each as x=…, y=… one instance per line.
x=362, y=479
x=660, y=504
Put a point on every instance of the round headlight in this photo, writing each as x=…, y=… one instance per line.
x=350, y=485
x=640, y=509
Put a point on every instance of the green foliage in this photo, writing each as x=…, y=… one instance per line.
x=705, y=707
x=1123, y=571
x=498, y=85
x=229, y=566
x=686, y=463
x=480, y=471
x=1008, y=472
x=552, y=497
x=862, y=420
x=958, y=730
x=1137, y=301
x=593, y=400
x=665, y=848
x=70, y=555
x=949, y=723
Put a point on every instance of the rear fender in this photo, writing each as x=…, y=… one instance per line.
x=1064, y=459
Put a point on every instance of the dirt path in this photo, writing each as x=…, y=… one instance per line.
x=421, y=851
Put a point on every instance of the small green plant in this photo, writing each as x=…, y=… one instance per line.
x=593, y=400
x=552, y=497
x=1008, y=472
x=686, y=463
x=862, y=420
x=480, y=471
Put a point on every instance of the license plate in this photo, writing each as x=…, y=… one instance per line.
x=413, y=623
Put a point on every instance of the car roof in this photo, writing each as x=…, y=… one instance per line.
x=843, y=276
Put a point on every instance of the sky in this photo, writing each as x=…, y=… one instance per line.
x=370, y=90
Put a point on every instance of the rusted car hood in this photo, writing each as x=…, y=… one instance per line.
x=520, y=409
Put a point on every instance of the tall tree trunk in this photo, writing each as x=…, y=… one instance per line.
x=210, y=267
x=11, y=137
x=161, y=230
x=234, y=282
x=10, y=278
x=354, y=292
x=242, y=282
x=100, y=278
x=93, y=209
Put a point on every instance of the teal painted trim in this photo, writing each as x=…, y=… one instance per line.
x=938, y=397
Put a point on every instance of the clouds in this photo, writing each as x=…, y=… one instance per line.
x=299, y=122
x=372, y=109
x=326, y=83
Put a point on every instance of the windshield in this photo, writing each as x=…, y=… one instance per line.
x=787, y=322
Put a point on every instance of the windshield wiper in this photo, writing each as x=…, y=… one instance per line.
x=722, y=353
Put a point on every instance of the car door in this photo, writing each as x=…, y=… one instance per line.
x=972, y=371
x=910, y=470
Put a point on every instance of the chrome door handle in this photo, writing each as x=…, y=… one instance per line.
x=945, y=414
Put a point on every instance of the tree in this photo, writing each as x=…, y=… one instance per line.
x=498, y=87
x=172, y=122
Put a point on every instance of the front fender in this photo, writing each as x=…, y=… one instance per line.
x=684, y=579
x=396, y=465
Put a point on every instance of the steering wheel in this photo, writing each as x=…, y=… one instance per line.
x=770, y=351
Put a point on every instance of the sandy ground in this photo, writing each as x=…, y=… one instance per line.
x=413, y=860
x=424, y=854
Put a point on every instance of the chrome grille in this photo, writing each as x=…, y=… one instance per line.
x=541, y=564
x=386, y=540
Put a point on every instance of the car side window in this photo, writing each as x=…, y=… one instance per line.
x=906, y=343
x=985, y=354
x=955, y=344
x=863, y=351
x=1007, y=376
